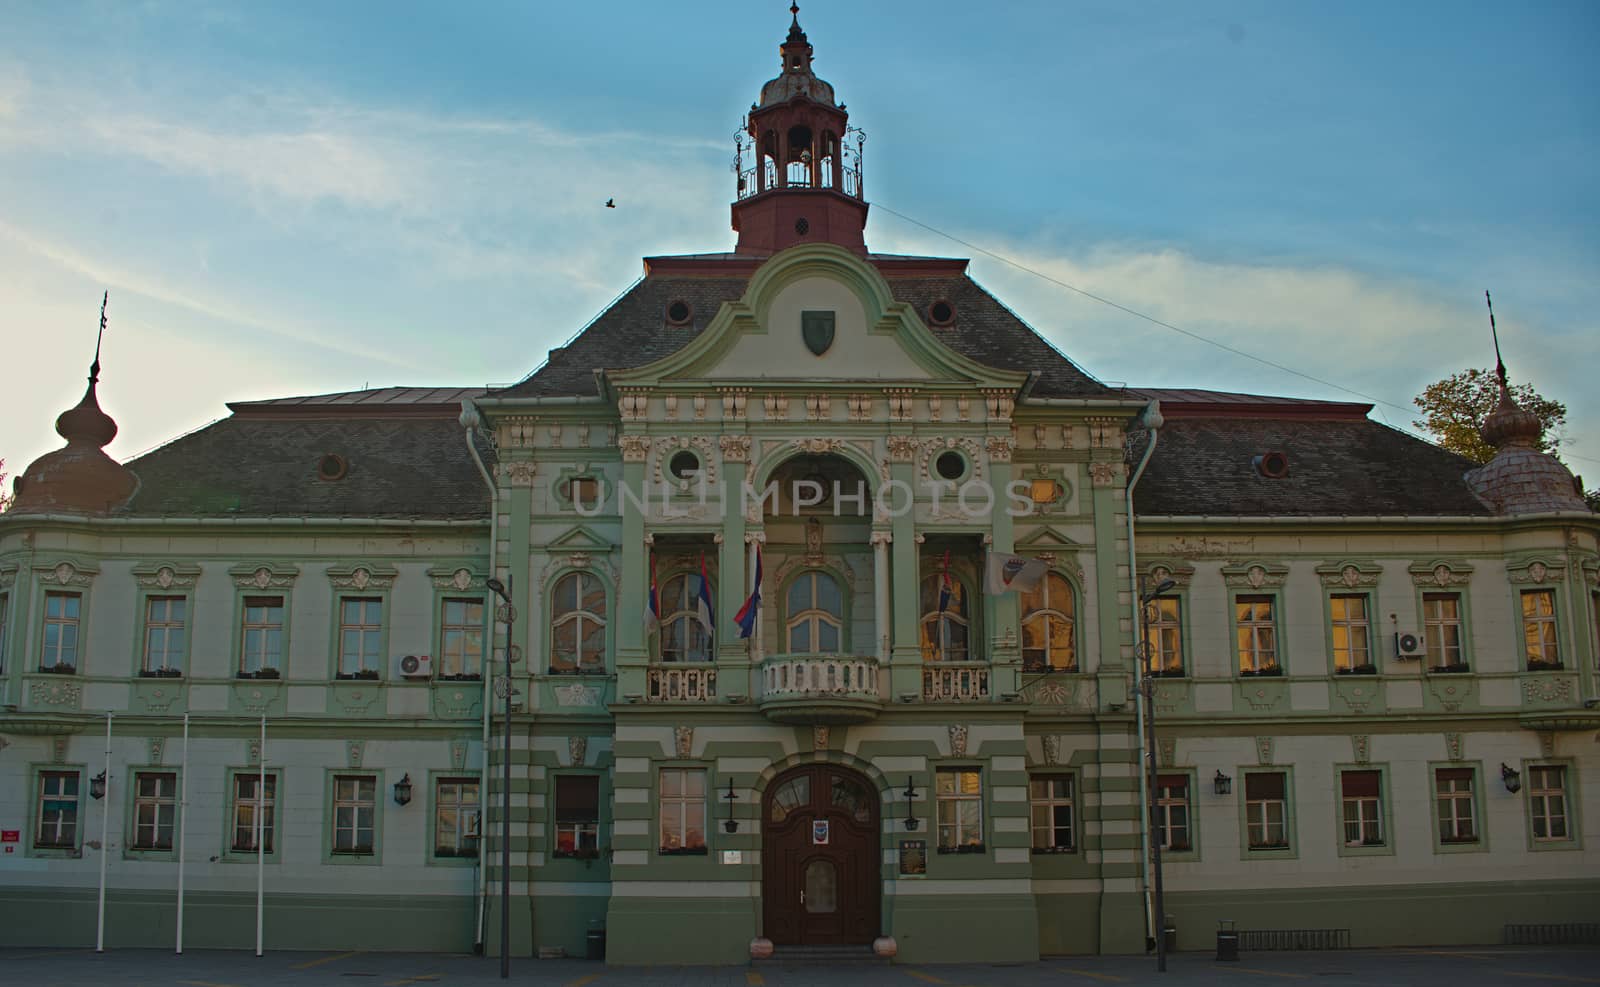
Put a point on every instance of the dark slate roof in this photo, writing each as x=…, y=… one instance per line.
x=633, y=331
x=374, y=397
x=259, y=465
x=1337, y=467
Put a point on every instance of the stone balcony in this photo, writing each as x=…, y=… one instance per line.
x=682, y=683
x=956, y=682
x=835, y=689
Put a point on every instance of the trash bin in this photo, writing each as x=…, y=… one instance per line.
x=595, y=940
x=1227, y=942
x=1169, y=933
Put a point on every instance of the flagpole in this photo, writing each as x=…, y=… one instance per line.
x=261, y=831
x=105, y=819
x=183, y=824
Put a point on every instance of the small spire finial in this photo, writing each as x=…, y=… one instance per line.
x=1499, y=364
x=94, y=368
x=794, y=10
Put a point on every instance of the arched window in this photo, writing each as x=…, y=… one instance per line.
x=578, y=624
x=1049, y=626
x=816, y=614
x=683, y=637
x=944, y=635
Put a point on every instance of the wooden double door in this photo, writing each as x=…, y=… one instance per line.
x=820, y=870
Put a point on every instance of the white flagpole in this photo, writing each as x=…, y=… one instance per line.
x=105, y=819
x=183, y=823
x=261, y=849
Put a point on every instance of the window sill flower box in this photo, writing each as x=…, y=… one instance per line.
x=1265, y=671
x=1357, y=670
x=963, y=848
x=259, y=674
x=61, y=669
x=365, y=675
x=1545, y=666
x=1448, y=669
x=161, y=673
x=684, y=851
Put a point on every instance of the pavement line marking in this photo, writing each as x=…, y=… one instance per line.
x=324, y=959
x=1271, y=973
x=1552, y=976
x=754, y=979
x=584, y=980
x=928, y=977
x=1106, y=977
x=426, y=977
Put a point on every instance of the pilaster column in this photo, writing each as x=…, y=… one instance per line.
x=880, y=588
x=631, y=653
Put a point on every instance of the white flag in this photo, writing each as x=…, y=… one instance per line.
x=1011, y=573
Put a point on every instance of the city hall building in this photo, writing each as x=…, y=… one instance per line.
x=270, y=654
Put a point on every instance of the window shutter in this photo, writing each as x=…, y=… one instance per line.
x=1360, y=784
x=1259, y=787
x=577, y=798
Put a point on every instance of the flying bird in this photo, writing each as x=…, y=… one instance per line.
x=611, y=203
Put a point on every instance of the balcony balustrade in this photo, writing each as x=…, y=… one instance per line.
x=821, y=688
x=682, y=683
x=955, y=681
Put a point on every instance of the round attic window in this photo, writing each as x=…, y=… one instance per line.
x=684, y=464
x=1273, y=465
x=950, y=465
x=942, y=313
x=679, y=312
x=332, y=467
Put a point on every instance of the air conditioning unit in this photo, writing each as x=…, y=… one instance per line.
x=413, y=667
x=1408, y=646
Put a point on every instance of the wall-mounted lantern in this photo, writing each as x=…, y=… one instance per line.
x=97, y=786
x=1512, y=777
x=402, y=790
x=1222, y=784
x=730, y=825
x=910, y=794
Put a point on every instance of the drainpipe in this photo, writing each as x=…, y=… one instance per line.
x=471, y=421
x=1151, y=421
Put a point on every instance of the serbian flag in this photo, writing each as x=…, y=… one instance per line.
x=746, y=617
x=652, y=610
x=945, y=587
x=1007, y=573
x=703, y=600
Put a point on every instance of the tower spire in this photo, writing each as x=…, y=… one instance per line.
x=94, y=368
x=1499, y=364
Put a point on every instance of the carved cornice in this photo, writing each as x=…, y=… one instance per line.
x=1000, y=448
x=1179, y=572
x=364, y=577
x=1255, y=575
x=901, y=448
x=1536, y=571
x=166, y=575
x=1441, y=572
x=635, y=448
x=1103, y=473
x=66, y=572
x=263, y=575
x=735, y=448
x=1350, y=575
x=461, y=579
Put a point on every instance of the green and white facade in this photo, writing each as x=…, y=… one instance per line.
x=1367, y=790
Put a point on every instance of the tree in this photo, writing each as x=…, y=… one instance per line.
x=5, y=498
x=1453, y=410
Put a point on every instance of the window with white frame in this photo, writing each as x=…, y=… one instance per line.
x=1049, y=626
x=683, y=810
x=355, y=813
x=1166, y=635
x=578, y=624
x=360, y=636
x=815, y=622
x=958, y=793
x=1050, y=798
x=254, y=808
x=577, y=815
x=1256, y=630
x=461, y=630
x=1539, y=628
x=1266, y=810
x=1547, y=802
x=683, y=637
x=1352, y=632
x=56, y=823
x=455, y=817
x=165, y=629
x=1441, y=630
x=261, y=637
x=1362, y=805
x=944, y=629
x=58, y=649
x=155, y=809
x=1172, y=812
x=1454, y=800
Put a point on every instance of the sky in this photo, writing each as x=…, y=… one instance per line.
x=295, y=198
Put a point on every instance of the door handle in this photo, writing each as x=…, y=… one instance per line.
x=802, y=896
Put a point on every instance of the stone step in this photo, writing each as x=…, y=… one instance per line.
x=823, y=956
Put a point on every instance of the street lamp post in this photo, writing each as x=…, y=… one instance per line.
x=508, y=614
x=1147, y=692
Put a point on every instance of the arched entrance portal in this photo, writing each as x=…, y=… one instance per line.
x=819, y=857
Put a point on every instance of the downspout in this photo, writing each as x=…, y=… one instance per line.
x=1152, y=421
x=471, y=421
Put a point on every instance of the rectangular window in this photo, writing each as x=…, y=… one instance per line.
x=58, y=650
x=1172, y=812
x=5, y=609
x=1166, y=636
x=1539, y=628
x=455, y=817
x=683, y=810
x=1050, y=797
x=1547, y=802
x=1257, y=635
x=461, y=639
x=355, y=812
x=577, y=815
x=959, y=792
x=1352, y=632
x=253, y=807
x=261, y=644
x=1266, y=810
x=165, y=623
x=57, y=827
x=1441, y=630
x=360, y=636
x=1363, y=808
x=155, y=808
x=1452, y=792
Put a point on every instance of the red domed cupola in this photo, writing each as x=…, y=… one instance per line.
x=799, y=177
